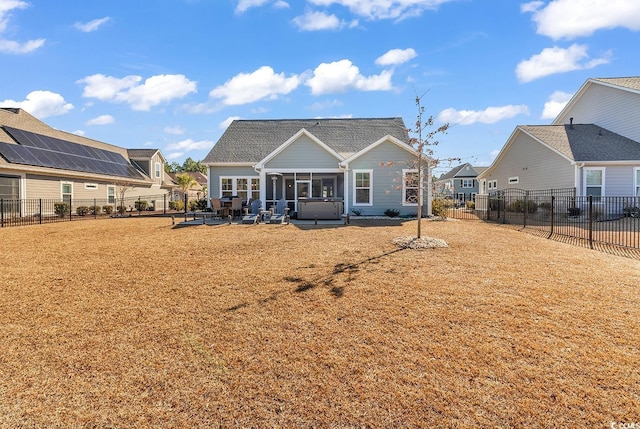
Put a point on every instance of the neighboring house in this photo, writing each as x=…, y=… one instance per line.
x=592, y=146
x=459, y=183
x=198, y=191
x=39, y=162
x=358, y=165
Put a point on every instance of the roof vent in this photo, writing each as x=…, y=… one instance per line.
x=570, y=123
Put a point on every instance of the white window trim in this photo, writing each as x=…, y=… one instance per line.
x=584, y=179
x=158, y=172
x=370, y=203
x=234, y=186
x=93, y=186
x=514, y=180
x=636, y=181
x=62, y=194
x=115, y=198
x=470, y=185
x=404, y=187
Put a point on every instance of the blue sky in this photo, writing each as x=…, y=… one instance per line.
x=171, y=74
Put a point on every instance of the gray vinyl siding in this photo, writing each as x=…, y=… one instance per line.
x=535, y=165
x=303, y=153
x=232, y=171
x=387, y=181
x=610, y=108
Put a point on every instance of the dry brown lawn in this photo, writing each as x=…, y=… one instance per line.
x=132, y=323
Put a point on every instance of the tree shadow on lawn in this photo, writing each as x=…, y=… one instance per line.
x=326, y=280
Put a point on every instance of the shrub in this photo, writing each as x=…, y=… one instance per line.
x=107, y=209
x=122, y=209
x=519, y=206
x=471, y=205
x=176, y=205
x=440, y=206
x=95, y=210
x=356, y=212
x=141, y=205
x=391, y=213
x=545, y=205
x=197, y=205
x=61, y=209
x=82, y=210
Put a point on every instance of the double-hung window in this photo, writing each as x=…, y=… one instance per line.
x=594, y=182
x=243, y=187
x=410, y=187
x=363, y=190
x=467, y=183
x=636, y=182
x=66, y=191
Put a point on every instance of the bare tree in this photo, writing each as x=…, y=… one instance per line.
x=122, y=186
x=423, y=143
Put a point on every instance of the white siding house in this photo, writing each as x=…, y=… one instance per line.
x=592, y=146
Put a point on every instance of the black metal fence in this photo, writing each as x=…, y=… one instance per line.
x=38, y=211
x=611, y=221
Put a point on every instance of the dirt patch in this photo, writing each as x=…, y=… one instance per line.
x=132, y=323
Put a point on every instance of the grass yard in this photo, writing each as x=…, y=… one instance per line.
x=132, y=323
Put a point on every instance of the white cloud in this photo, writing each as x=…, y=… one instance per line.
x=557, y=60
x=314, y=21
x=177, y=130
x=396, y=56
x=339, y=76
x=5, y=7
x=263, y=83
x=323, y=105
x=556, y=103
x=244, y=5
x=225, y=124
x=173, y=155
x=384, y=9
x=101, y=120
x=11, y=46
x=140, y=96
x=90, y=26
x=577, y=18
x=78, y=132
x=189, y=144
x=489, y=115
x=41, y=104
x=281, y=4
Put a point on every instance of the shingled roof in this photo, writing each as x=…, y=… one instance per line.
x=585, y=142
x=623, y=82
x=252, y=140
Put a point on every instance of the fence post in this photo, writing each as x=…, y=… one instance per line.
x=164, y=204
x=2, y=212
x=526, y=209
x=591, y=221
x=186, y=199
x=70, y=208
x=95, y=212
x=40, y=210
x=553, y=214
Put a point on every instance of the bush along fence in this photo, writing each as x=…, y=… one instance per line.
x=597, y=220
x=38, y=211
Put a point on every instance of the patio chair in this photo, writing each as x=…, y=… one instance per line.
x=281, y=213
x=236, y=206
x=256, y=213
x=218, y=209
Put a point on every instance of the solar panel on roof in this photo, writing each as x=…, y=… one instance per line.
x=44, y=151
